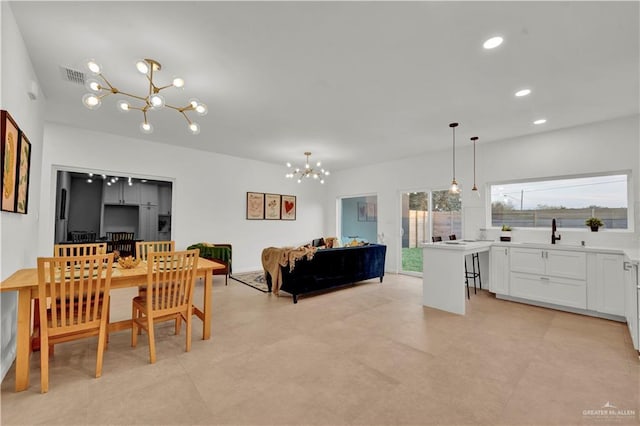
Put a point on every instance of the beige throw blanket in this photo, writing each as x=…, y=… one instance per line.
x=274, y=257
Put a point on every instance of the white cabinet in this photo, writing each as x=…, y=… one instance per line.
x=499, y=278
x=550, y=276
x=148, y=194
x=120, y=192
x=609, y=284
x=632, y=300
x=149, y=223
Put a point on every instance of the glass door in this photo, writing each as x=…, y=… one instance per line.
x=415, y=230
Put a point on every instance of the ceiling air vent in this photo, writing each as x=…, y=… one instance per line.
x=72, y=76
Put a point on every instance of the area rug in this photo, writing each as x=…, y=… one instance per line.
x=253, y=279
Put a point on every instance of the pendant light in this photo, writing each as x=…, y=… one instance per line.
x=475, y=188
x=454, y=189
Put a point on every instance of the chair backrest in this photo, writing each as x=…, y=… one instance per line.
x=78, y=288
x=120, y=236
x=436, y=239
x=170, y=279
x=452, y=236
x=83, y=236
x=79, y=249
x=144, y=248
x=124, y=247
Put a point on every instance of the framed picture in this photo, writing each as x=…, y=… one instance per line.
x=372, y=212
x=362, y=211
x=24, y=165
x=272, y=206
x=10, y=138
x=288, y=207
x=255, y=205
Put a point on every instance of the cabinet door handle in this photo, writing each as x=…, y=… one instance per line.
x=542, y=254
x=627, y=266
x=505, y=252
x=544, y=278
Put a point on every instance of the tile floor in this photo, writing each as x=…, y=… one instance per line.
x=364, y=355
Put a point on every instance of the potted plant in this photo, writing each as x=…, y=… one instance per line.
x=505, y=235
x=594, y=223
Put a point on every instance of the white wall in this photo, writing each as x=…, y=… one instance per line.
x=209, y=192
x=18, y=230
x=597, y=147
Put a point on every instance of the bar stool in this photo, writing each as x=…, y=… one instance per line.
x=474, y=274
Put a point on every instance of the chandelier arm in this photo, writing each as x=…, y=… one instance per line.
x=175, y=107
x=111, y=88
x=157, y=89
x=144, y=112
x=133, y=96
x=185, y=116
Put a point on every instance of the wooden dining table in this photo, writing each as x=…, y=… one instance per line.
x=25, y=282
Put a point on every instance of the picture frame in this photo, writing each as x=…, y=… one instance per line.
x=372, y=212
x=362, y=211
x=288, y=209
x=255, y=205
x=10, y=139
x=272, y=206
x=23, y=173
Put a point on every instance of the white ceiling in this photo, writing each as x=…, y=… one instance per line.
x=354, y=82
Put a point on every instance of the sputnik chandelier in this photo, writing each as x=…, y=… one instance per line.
x=307, y=171
x=152, y=101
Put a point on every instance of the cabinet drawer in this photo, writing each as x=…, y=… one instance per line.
x=559, y=291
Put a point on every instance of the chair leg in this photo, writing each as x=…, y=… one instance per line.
x=102, y=345
x=152, y=340
x=44, y=364
x=188, y=320
x=479, y=275
x=134, y=327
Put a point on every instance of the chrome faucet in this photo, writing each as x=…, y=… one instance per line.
x=554, y=238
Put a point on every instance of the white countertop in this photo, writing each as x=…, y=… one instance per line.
x=466, y=245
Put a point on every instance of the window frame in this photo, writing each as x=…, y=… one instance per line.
x=630, y=198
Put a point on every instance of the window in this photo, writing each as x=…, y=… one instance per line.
x=570, y=200
x=447, y=214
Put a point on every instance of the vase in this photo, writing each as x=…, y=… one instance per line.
x=594, y=228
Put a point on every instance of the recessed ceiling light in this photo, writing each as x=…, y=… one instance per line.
x=523, y=92
x=493, y=42
x=540, y=121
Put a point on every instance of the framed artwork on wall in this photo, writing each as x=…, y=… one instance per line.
x=24, y=163
x=362, y=211
x=10, y=138
x=288, y=207
x=372, y=212
x=255, y=205
x=272, y=206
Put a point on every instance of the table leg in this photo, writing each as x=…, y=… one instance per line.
x=23, y=340
x=208, y=302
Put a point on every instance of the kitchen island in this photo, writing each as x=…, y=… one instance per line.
x=443, y=276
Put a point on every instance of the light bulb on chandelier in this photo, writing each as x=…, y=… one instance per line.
x=152, y=101
x=308, y=171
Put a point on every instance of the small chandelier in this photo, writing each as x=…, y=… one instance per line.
x=152, y=101
x=307, y=171
x=454, y=189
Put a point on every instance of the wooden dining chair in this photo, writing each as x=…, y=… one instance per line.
x=78, y=290
x=79, y=249
x=169, y=296
x=60, y=250
x=143, y=248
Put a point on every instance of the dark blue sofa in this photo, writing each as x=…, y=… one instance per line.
x=331, y=268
